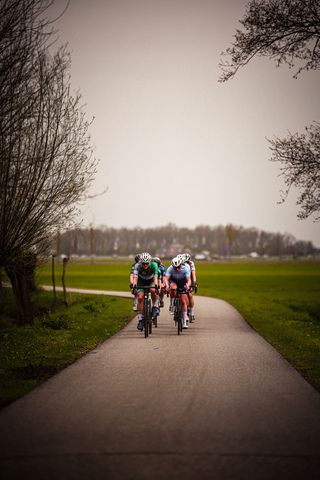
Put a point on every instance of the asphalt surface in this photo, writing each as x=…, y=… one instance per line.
x=216, y=402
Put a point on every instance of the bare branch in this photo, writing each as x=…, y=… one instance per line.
x=299, y=155
x=104, y=191
x=285, y=30
x=46, y=163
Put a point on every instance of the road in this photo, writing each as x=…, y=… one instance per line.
x=216, y=402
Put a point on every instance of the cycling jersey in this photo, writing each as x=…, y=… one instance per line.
x=163, y=271
x=191, y=265
x=132, y=268
x=179, y=278
x=188, y=266
x=176, y=276
x=191, y=268
x=145, y=273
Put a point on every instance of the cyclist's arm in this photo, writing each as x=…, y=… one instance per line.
x=155, y=279
x=155, y=271
x=163, y=276
x=166, y=281
x=131, y=274
x=135, y=282
x=136, y=273
x=193, y=272
x=188, y=281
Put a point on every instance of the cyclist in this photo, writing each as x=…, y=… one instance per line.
x=178, y=276
x=145, y=274
x=135, y=302
x=189, y=263
x=162, y=270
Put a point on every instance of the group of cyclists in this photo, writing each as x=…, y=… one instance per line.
x=149, y=271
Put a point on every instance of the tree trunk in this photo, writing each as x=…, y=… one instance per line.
x=21, y=274
x=21, y=289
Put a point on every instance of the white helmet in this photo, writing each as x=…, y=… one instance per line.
x=187, y=257
x=145, y=258
x=176, y=261
x=182, y=257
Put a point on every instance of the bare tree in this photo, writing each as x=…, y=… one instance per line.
x=300, y=156
x=231, y=236
x=46, y=159
x=110, y=241
x=287, y=31
x=22, y=35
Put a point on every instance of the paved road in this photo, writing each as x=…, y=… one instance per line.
x=216, y=402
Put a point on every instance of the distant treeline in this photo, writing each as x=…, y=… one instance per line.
x=202, y=239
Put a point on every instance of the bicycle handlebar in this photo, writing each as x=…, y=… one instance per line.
x=145, y=287
x=178, y=289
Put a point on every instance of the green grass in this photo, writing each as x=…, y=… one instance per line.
x=30, y=355
x=108, y=276
x=279, y=300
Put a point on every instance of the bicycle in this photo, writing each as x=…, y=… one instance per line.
x=177, y=308
x=147, y=311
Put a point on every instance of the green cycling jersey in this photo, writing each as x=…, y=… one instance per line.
x=146, y=273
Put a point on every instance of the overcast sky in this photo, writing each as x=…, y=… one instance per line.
x=176, y=146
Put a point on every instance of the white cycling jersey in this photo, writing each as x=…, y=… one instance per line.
x=190, y=264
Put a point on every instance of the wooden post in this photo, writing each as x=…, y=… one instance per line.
x=65, y=261
x=53, y=279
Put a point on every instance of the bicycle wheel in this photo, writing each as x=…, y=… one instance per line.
x=149, y=316
x=175, y=313
x=145, y=318
x=179, y=315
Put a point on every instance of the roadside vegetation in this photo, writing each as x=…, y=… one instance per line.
x=279, y=300
x=31, y=354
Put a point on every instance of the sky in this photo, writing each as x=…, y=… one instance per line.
x=175, y=145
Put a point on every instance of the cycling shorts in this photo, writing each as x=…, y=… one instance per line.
x=144, y=283
x=180, y=284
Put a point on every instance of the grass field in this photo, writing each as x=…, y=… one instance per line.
x=30, y=355
x=279, y=300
